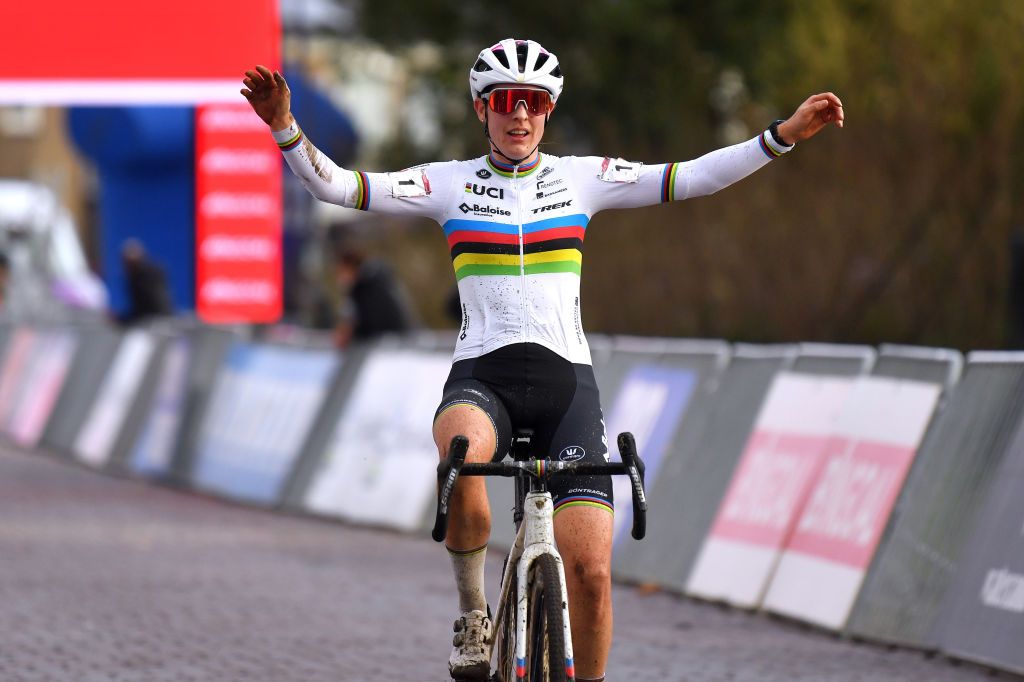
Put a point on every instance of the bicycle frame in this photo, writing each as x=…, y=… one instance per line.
x=534, y=515
x=536, y=536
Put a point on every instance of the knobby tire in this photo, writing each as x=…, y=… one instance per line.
x=505, y=637
x=545, y=628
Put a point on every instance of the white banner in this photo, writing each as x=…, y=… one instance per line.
x=17, y=358
x=380, y=465
x=769, y=488
x=154, y=449
x=828, y=554
x=44, y=378
x=99, y=432
x=259, y=415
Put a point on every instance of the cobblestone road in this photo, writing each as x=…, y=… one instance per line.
x=112, y=580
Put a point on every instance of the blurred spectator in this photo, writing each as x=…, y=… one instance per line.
x=374, y=302
x=148, y=295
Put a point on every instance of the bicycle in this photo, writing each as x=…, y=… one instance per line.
x=531, y=627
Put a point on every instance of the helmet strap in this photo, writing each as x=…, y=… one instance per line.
x=494, y=145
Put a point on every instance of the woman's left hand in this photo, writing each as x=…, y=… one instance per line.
x=815, y=113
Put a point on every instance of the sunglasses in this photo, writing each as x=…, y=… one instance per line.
x=505, y=100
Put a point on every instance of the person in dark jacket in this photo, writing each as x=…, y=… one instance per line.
x=376, y=303
x=148, y=294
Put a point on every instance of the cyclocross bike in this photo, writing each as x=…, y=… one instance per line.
x=531, y=637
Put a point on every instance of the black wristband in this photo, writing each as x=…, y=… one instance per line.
x=774, y=130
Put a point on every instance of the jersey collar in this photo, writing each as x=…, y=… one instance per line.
x=508, y=170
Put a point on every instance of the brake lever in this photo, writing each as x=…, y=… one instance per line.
x=635, y=469
x=447, y=474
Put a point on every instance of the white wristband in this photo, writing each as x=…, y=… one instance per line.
x=772, y=148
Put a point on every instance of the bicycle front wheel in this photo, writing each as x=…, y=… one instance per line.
x=505, y=636
x=545, y=625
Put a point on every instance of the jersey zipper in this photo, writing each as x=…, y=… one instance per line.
x=522, y=252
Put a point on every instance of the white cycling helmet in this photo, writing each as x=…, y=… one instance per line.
x=515, y=61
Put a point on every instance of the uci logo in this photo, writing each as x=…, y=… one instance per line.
x=484, y=190
x=572, y=453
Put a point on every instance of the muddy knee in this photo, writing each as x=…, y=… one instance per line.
x=468, y=421
x=592, y=578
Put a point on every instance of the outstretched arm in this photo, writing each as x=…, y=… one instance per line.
x=637, y=184
x=269, y=96
x=723, y=167
x=403, y=193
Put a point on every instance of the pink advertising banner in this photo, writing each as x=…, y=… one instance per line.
x=838, y=530
x=772, y=483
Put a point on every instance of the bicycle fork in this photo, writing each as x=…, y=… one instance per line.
x=539, y=539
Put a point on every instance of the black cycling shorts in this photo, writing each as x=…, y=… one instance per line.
x=527, y=386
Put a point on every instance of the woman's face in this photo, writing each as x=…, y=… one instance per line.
x=516, y=134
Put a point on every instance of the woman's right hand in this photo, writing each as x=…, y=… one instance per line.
x=269, y=96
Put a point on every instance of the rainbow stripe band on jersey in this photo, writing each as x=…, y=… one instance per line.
x=362, y=191
x=668, y=182
x=291, y=143
x=484, y=248
x=507, y=170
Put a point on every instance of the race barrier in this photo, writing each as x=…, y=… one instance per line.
x=871, y=492
x=153, y=452
x=773, y=479
x=662, y=403
x=98, y=442
x=866, y=459
x=378, y=466
x=260, y=412
x=694, y=479
x=43, y=375
x=18, y=351
x=983, y=617
x=781, y=462
x=875, y=440
x=94, y=352
x=951, y=476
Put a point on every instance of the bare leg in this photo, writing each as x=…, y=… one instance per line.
x=469, y=526
x=469, y=516
x=584, y=539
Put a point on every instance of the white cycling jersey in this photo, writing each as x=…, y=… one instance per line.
x=516, y=233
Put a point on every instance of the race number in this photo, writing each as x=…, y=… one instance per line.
x=409, y=183
x=619, y=170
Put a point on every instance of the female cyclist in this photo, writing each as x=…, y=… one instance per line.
x=515, y=221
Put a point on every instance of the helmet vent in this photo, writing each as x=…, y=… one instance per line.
x=499, y=53
x=521, y=51
x=481, y=66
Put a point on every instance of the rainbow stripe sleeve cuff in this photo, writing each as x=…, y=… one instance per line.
x=289, y=138
x=770, y=147
x=668, y=182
